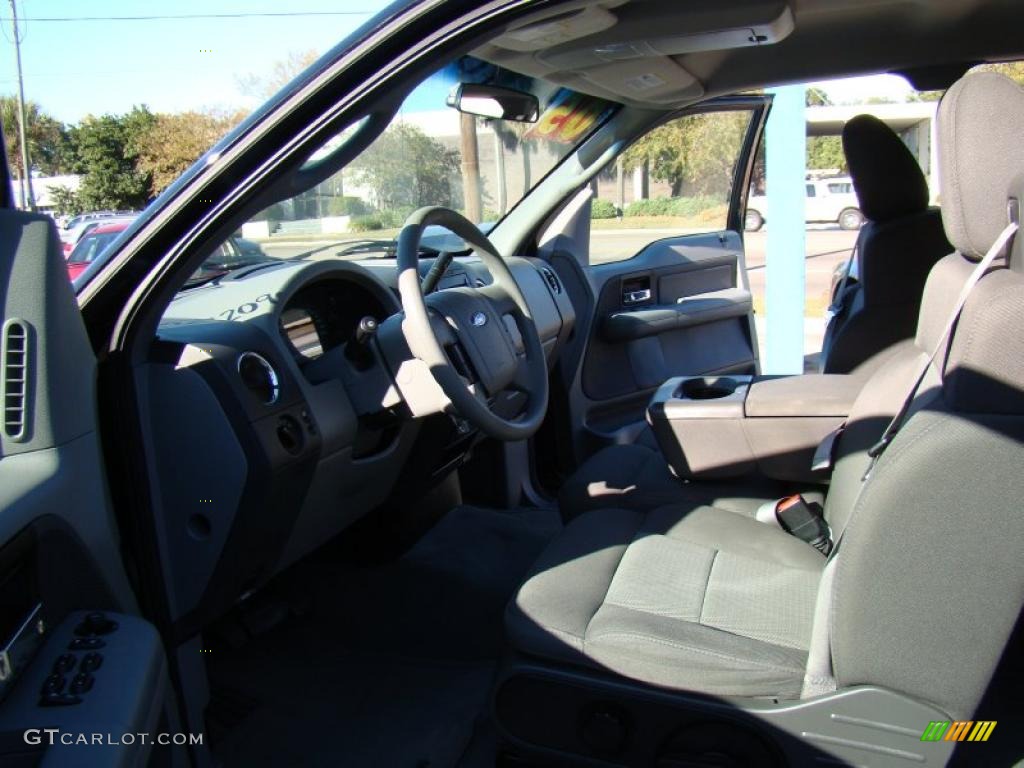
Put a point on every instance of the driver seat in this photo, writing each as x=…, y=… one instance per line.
x=689, y=597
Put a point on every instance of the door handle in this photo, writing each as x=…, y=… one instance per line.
x=636, y=297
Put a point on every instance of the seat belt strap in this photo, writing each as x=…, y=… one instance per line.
x=901, y=415
x=838, y=299
x=824, y=454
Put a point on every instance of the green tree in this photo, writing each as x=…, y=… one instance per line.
x=170, y=144
x=106, y=154
x=1012, y=69
x=816, y=97
x=65, y=201
x=825, y=152
x=47, y=139
x=405, y=168
x=698, y=150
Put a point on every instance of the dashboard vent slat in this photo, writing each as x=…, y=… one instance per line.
x=14, y=379
x=552, y=279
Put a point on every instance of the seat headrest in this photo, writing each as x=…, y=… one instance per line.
x=980, y=125
x=887, y=178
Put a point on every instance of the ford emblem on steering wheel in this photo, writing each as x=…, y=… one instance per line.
x=479, y=319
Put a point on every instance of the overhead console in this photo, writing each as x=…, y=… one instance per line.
x=621, y=50
x=729, y=426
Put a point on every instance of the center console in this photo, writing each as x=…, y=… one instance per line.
x=730, y=426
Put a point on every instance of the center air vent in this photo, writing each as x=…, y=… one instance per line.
x=552, y=278
x=259, y=377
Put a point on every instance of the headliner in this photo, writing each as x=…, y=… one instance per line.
x=820, y=39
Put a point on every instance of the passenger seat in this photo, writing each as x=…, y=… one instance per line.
x=899, y=243
x=918, y=600
x=902, y=240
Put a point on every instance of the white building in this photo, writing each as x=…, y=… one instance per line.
x=43, y=186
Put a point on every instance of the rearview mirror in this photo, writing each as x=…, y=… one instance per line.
x=495, y=102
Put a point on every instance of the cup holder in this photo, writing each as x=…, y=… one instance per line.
x=708, y=388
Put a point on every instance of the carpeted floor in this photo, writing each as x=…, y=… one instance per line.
x=388, y=665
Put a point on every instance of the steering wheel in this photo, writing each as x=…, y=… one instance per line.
x=469, y=337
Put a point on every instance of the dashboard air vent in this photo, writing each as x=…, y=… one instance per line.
x=259, y=377
x=14, y=380
x=552, y=278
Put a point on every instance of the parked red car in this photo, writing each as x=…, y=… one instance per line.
x=233, y=253
x=92, y=244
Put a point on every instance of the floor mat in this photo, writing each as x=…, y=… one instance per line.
x=391, y=665
x=446, y=597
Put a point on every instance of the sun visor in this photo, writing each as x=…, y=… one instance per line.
x=651, y=80
x=557, y=30
x=753, y=25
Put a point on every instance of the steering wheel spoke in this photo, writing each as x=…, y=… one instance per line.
x=521, y=381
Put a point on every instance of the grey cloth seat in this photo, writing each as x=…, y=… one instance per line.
x=685, y=597
x=900, y=241
x=693, y=597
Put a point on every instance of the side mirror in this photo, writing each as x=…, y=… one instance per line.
x=495, y=102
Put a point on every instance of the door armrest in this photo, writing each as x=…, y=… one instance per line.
x=633, y=324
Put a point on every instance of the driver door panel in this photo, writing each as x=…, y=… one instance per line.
x=60, y=553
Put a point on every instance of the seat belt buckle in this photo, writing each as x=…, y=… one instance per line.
x=805, y=520
x=824, y=454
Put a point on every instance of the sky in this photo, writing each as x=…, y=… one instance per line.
x=77, y=67
x=80, y=67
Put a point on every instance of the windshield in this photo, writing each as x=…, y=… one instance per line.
x=429, y=154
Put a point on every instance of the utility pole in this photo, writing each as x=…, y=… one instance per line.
x=499, y=163
x=28, y=199
x=470, y=168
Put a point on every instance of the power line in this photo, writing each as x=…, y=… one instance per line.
x=187, y=16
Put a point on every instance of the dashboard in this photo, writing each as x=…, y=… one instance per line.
x=271, y=433
x=323, y=316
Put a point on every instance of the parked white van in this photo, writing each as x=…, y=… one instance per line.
x=829, y=200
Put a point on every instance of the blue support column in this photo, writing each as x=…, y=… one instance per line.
x=786, y=172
